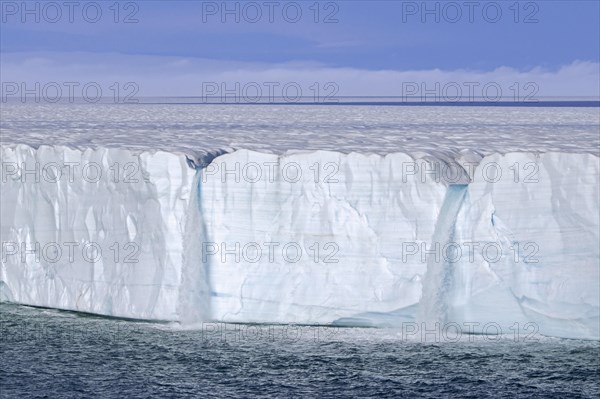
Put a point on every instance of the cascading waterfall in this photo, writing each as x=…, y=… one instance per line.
x=194, y=294
x=437, y=284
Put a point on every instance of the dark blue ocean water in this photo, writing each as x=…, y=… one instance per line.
x=47, y=353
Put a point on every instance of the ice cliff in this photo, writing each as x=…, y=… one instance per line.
x=318, y=237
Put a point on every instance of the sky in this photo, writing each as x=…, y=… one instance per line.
x=354, y=48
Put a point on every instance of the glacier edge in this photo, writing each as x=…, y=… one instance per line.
x=374, y=211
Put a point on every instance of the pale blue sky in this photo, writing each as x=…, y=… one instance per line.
x=367, y=36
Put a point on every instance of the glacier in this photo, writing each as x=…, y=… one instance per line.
x=309, y=237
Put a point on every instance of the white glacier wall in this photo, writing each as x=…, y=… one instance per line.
x=323, y=236
x=221, y=243
x=130, y=207
x=542, y=212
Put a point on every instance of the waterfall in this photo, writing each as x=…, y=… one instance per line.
x=437, y=283
x=194, y=294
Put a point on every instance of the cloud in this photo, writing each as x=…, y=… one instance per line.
x=174, y=76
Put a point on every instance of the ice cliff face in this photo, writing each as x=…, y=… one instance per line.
x=318, y=237
x=546, y=219
x=329, y=229
x=97, y=231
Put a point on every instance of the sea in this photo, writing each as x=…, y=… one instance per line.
x=51, y=353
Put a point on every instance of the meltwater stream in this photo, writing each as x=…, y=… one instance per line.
x=194, y=292
x=433, y=307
